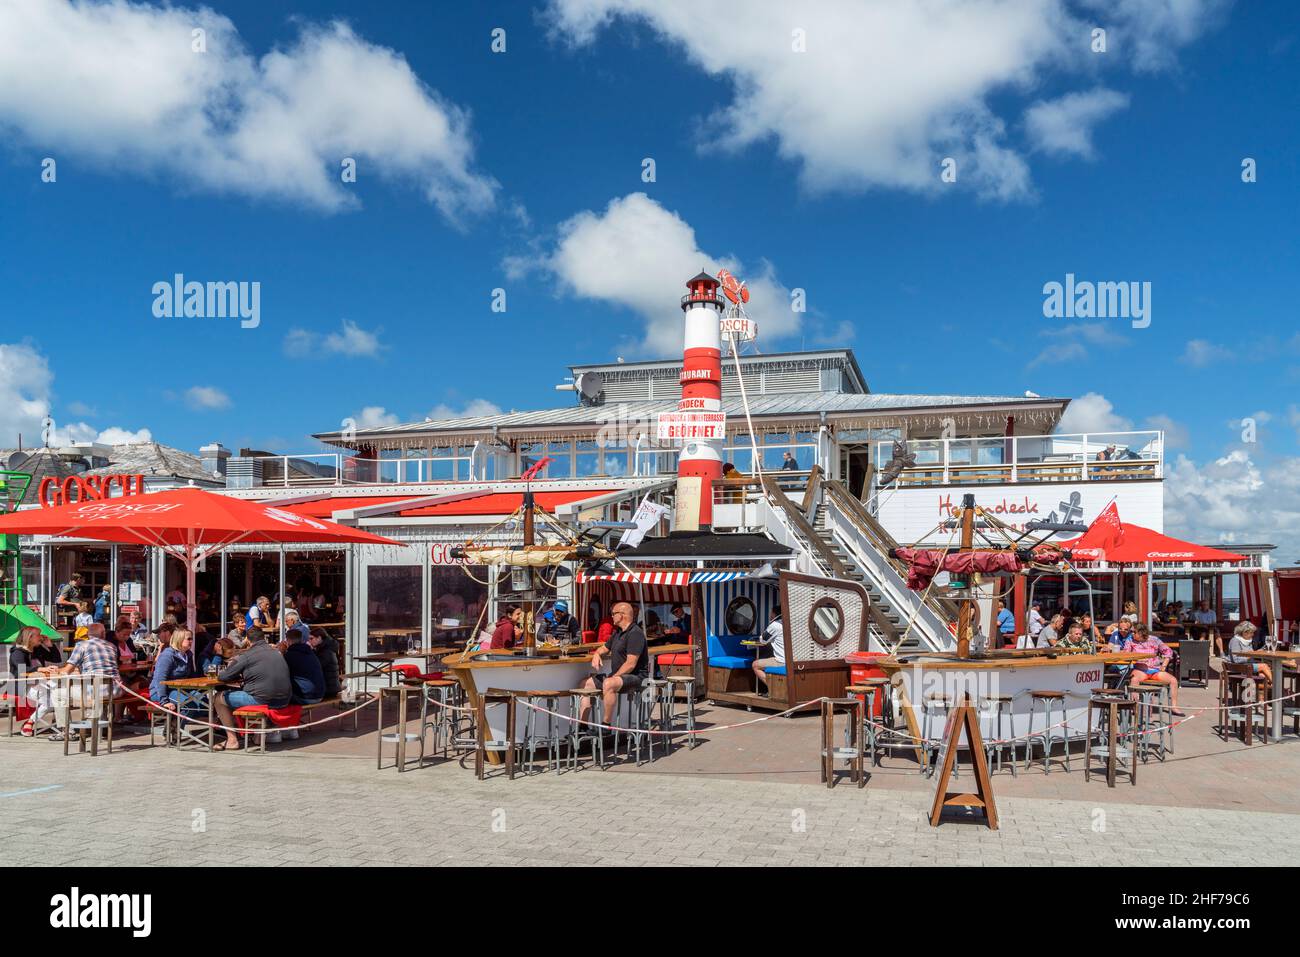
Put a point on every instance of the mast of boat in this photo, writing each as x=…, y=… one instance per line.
x=530, y=633
x=966, y=613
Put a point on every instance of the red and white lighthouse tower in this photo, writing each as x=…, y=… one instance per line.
x=699, y=421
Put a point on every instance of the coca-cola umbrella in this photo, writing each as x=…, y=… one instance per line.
x=189, y=524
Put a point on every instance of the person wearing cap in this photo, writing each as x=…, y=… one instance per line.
x=1036, y=622
x=558, y=626
x=681, y=626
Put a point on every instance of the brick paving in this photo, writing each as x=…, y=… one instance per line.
x=316, y=805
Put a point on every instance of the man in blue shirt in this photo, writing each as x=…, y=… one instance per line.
x=1006, y=625
x=681, y=626
x=103, y=605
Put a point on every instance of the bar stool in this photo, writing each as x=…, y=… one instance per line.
x=668, y=705
x=852, y=751
x=997, y=705
x=640, y=708
x=866, y=691
x=1049, y=735
x=437, y=692
x=399, y=736
x=164, y=717
x=1152, y=708
x=934, y=704
x=96, y=717
x=485, y=743
x=1118, y=719
x=544, y=711
x=581, y=734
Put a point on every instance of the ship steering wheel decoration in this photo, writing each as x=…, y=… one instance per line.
x=902, y=459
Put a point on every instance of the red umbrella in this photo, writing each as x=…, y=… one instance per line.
x=187, y=523
x=1112, y=540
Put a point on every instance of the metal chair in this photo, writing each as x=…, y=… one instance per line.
x=1049, y=734
x=935, y=705
x=1242, y=694
x=581, y=734
x=96, y=716
x=543, y=713
x=1155, y=711
x=668, y=705
x=436, y=714
x=640, y=713
x=996, y=706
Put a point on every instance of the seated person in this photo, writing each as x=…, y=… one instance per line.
x=1156, y=667
x=305, y=672
x=1076, y=640
x=293, y=623
x=1006, y=623
x=327, y=654
x=1118, y=634
x=557, y=626
x=508, y=628
x=266, y=682
x=216, y=652
x=629, y=662
x=681, y=626
x=238, y=633
x=773, y=637
x=1050, y=636
x=1242, y=640
x=175, y=662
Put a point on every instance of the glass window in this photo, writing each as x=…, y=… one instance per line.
x=562, y=466
x=587, y=460
x=530, y=453
x=458, y=602
x=393, y=607
x=133, y=581
x=614, y=459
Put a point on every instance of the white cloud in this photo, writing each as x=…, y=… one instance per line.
x=474, y=408
x=1063, y=126
x=206, y=397
x=1092, y=413
x=1235, y=499
x=373, y=417
x=25, y=381
x=350, y=340
x=116, y=436
x=1200, y=353
x=639, y=255
x=26, y=385
x=1070, y=343
x=119, y=84
x=80, y=408
x=886, y=89
x=1177, y=435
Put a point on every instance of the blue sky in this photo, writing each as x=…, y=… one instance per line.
x=815, y=169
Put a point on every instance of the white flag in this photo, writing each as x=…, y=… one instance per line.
x=647, y=514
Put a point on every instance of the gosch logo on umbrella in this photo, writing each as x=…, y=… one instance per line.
x=101, y=510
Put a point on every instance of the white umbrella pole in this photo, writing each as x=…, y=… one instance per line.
x=191, y=613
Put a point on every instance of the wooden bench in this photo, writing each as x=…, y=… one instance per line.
x=256, y=717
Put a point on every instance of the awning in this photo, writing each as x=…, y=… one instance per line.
x=644, y=578
x=705, y=578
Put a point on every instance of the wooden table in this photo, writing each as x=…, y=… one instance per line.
x=194, y=689
x=1277, y=659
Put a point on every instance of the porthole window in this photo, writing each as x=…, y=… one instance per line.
x=826, y=621
x=741, y=616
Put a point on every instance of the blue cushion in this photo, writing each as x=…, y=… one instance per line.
x=730, y=661
x=724, y=646
x=775, y=670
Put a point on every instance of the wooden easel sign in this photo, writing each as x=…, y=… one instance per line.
x=965, y=717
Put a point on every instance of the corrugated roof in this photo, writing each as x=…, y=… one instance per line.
x=785, y=404
x=153, y=458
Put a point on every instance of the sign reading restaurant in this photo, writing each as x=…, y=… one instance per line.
x=89, y=488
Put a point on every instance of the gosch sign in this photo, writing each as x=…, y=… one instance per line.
x=91, y=488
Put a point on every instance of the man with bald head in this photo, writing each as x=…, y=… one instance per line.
x=629, y=662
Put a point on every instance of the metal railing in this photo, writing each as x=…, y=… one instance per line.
x=337, y=468
x=1079, y=456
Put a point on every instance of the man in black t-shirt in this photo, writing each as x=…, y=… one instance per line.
x=629, y=662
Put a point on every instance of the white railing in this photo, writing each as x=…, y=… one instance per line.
x=1080, y=456
x=337, y=468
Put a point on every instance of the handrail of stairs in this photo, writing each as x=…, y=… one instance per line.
x=878, y=535
x=829, y=559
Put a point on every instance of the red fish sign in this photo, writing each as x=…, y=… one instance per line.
x=732, y=288
x=90, y=488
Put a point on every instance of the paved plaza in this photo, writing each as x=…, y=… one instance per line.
x=749, y=796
